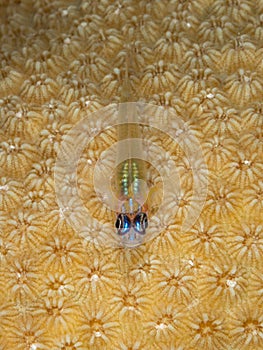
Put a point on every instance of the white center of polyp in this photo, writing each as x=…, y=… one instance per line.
x=94, y=277
x=161, y=326
x=4, y=187
x=67, y=41
x=231, y=283
x=97, y=334
x=246, y=79
x=210, y=95
x=19, y=114
x=62, y=212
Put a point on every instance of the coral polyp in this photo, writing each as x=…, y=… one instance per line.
x=39, y=88
x=244, y=86
x=17, y=156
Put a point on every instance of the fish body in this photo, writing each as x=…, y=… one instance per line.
x=130, y=175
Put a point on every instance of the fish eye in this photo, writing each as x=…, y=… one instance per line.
x=122, y=224
x=140, y=223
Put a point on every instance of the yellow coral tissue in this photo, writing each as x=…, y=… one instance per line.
x=196, y=283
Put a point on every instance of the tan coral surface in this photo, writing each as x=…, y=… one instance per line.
x=202, y=289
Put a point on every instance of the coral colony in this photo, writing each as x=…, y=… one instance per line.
x=202, y=289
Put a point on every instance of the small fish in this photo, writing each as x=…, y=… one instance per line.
x=130, y=177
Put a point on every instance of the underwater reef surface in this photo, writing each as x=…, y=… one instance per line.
x=198, y=289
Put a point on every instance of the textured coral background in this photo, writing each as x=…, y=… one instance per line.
x=202, y=289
